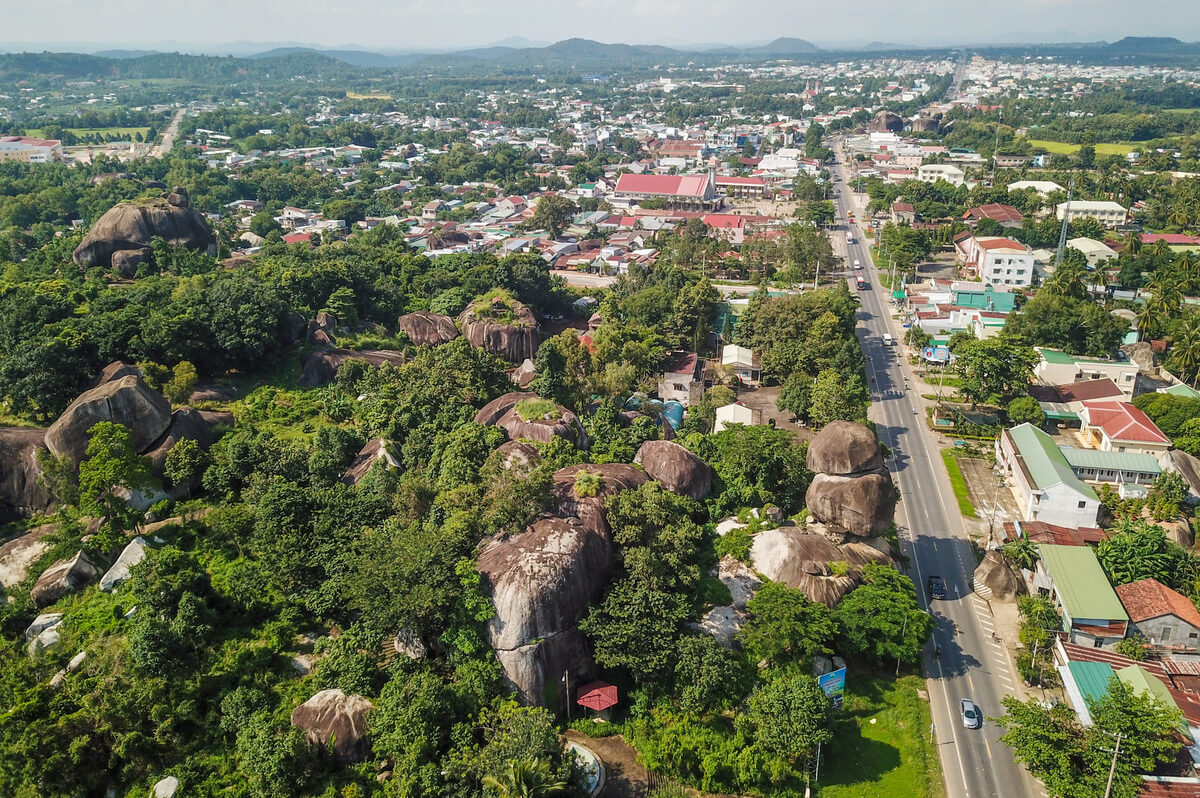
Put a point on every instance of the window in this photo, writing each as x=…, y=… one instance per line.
x=1192, y=636
x=1167, y=633
x=677, y=387
x=1099, y=641
x=1082, y=505
x=1120, y=448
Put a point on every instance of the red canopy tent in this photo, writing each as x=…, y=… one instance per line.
x=597, y=695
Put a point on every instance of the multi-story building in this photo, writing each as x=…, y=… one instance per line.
x=933, y=172
x=30, y=150
x=997, y=260
x=1106, y=212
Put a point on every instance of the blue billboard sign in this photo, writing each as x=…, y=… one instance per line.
x=936, y=354
x=833, y=684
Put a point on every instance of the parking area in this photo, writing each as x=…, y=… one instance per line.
x=993, y=501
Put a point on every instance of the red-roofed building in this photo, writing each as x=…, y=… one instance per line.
x=1115, y=426
x=1006, y=215
x=997, y=260
x=903, y=212
x=1042, y=532
x=742, y=186
x=1172, y=239
x=690, y=192
x=27, y=149
x=1164, y=617
x=296, y=238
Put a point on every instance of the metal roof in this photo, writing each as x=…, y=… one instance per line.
x=1111, y=461
x=1092, y=678
x=1081, y=584
x=1043, y=461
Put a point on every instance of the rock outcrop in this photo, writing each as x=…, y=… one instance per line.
x=19, y=554
x=370, y=454
x=133, y=553
x=503, y=412
x=994, y=578
x=186, y=424
x=675, y=468
x=809, y=562
x=165, y=788
x=519, y=454
x=424, y=328
x=20, y=493
x=331, y=715
x=320, y=368
x=508, y=331
x=884, y=122
x=128, y=401
x=65, y=576
x=852, y=492
x=491, y=413
x=115, y=371
x=122, y=236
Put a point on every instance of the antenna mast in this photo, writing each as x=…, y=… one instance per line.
x=1062, y=233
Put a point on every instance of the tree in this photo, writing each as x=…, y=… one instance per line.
x=993, y=370
x=109, y=466
x=263, y=223
x=1076, y=326
x=837, y=397
x=708, y=676
x=553, y=213
x=185, y=463
x=524, y=778
x=880, y=619
x=785, y=628
x=635, y=628
x=1025, y=410
x=1141, y=550
x=787, y=718
x=178, y=389
x=795, y=396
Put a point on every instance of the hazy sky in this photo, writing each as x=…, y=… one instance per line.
x=429, y=24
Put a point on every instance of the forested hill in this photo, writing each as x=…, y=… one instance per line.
x=77, y=66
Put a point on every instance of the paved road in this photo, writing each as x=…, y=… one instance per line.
x=972, y=665
x=169, y=134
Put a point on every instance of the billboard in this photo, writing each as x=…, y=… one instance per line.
x=833, y=684
x=936, y=354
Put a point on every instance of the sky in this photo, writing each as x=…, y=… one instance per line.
x=398, y=25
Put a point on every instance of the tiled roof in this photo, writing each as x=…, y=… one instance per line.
x=994, y=210
x=1000, y=243
x=673, y=185
x=1086, y=390
x=1121, y=421
x=1042, y=532
x=1149, y=598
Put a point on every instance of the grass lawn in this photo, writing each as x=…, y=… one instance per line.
x=106, y=131
x=375, y=95
x=1070, y=149
x=891, y=757
x=958, y=484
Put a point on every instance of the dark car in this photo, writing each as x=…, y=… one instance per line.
x=972, y=718
x=936, y=587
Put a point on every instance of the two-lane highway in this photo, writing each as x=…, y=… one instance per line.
x=973, y=664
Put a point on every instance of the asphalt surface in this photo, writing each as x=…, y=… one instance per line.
x=972, y=663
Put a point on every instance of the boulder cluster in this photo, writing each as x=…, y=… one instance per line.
x=121, y=238
x=513, y=339
x=852, y=492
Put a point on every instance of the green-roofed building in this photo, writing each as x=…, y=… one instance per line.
x=1180, y=389
x=1092, y=613
x=1047, y=485
x=1059, y=368
x=1122, y=468
x=1143, y=682
x=1084, y=684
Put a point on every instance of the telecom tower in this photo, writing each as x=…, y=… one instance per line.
x=1062, y=233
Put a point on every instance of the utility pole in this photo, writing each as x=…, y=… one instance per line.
x=1113, y=770
x=903, y=629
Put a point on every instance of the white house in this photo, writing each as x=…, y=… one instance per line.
x=1059, y=368
x=736, y=413
x=1096, y=252
x=1111, y=425
x=1046, y=484
x=997, y=260
x=1108, y=213
x=933, y=172
x=1044, y=188
x=743, y=361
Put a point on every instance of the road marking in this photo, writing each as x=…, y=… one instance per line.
x=987, y=746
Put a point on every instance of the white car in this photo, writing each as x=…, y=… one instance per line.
x=857, y=266
x=972, y=718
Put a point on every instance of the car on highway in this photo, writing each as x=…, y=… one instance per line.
x=972, y=718
x=936, y=587
x=857, y=265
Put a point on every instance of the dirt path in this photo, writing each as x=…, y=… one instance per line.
x=624, y=777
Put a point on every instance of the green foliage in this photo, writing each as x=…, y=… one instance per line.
x=755, y=466
x=993, y=370
x=1025, y=410
x=958, y=484
x=881, y=620
x=735, y=543
x=1133, y=647
x=837, y=397
x=787, y=718
x=1141, y=550
x=185, y=463
x=110, y=465
x=588, y=484
x=535, y=409
x=1073, y=324
x=786, y=629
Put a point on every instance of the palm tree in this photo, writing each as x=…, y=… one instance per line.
x=1133, y=243
x=1185, y=350
x=525, y=778
x=1098, y=280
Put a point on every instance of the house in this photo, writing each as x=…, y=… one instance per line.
x=1108, y=213
x=1044, y=188
x=933, y=172
x=997, y=260
x=27, y=149
x=1124, y=469
x=1011, y=161
x=1041, y=532
x=1006, y=215
x=736, y=413
x=1165, y=618
x=1091, y=612
x=1046, y=485
x=683, y=192
x=903, y=212
x=432, y=209
x=681, y=379
x=1096, y=252
x=1063, y=402
x=754, y=187
x=1059, y=368
x=744, y=363
x=1111, y=425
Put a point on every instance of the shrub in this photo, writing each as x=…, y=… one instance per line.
x=587, y=484
x=735, y=543
x=1132, y=647
x=534, y=409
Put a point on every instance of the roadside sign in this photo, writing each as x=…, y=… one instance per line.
x=833, y=684
x=936, y=354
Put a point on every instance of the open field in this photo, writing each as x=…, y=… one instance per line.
x=103, y=131
x=1070, y=149
x=375, y=95
x=881, y=743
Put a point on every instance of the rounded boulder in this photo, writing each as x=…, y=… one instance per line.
x=844, y=448
x=675, y=468
x=128, y=401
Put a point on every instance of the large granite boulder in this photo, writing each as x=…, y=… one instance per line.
x=65, y=576
x=811, y=563
x=885, y=122
x=675, y=468
x=520, y=455
x=861, y=505
x=424, y=328
x=994, y=577
x=128, y=401
x=165, y=788
x=541, y=582
x=115, y=371
x=186, y=424
x=492, y=412
x=320, y=368
x=18, y=555
x=510, y=412
x=129, y=227
x=373, y=452
x=331, y=715
x=20, y=493
x=613, y=478
x=131, y=555
x=739, y=578
x=508, y=330
x=843, y=448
